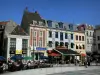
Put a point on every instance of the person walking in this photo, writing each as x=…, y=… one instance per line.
x=85, y=62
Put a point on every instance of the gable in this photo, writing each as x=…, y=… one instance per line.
x=18, y=31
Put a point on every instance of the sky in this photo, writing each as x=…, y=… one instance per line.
x=68, y=11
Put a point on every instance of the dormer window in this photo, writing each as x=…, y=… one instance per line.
x=35, y=22
x=60, y=25
x=71, y=26
x=40, y=23
x=56, y=26
x=43, y=22
x=49, y=22
x=65, y=27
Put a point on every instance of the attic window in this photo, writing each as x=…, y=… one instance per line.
x=56, y=26
x=60, y=25
x=43, y=21
x=71, y=26
x=64, y=27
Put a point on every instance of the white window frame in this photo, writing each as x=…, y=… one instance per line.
x=34, y=43
x=34, y=33
x=40, y=43
x=41, y=33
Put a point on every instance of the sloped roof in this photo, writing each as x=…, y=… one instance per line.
x=3, y=22
x=18, y=31
x=9, y=27
x=28, y=18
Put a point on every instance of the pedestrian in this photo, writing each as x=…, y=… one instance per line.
x=96, y=62
x=85, y=62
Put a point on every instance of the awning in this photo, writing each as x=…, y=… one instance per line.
x=67, y=52
x=15, y=57
x=2, y=58
x=83, y=54
x=28, y=58
x=54, y=54
x=43, y=57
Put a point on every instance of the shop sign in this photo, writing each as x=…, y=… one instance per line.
x=12, y=52
x=18, y=51
x=41, y=48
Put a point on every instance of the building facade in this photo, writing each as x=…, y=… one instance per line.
x=80, y=42
x=60, y=34
x=16, y=40
x=89, y=39
x=38, y=39
x=97, y=40
x=88, y=30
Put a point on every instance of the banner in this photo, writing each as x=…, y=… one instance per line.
x=18, y=51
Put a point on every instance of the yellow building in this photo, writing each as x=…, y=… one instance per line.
x=79, y=41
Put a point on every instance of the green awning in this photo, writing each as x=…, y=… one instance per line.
x=28, y=58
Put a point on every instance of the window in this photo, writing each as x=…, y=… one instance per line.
x=71, y=26
x=87, y=33
x=99, y=46
x=13, y=44
x=98, y=37
x=71, y=36
x=66, y=44
x=79, y=38
x=41, y=33
x=34, y=34
x=87, y=41
x=56, y=34
x=50, y=44
x=76, y=47
x=34, y=43
x=76, y=37
x=61, y=36
x=60, y=25
x=40, y=43
x=80, y=47
x=83, y=47
x=56, y=44
x=61, y=44
x=82, y=38
x=50, y=33
x=49, y=23
x=24, y=44
x=56, y=26
x=90, y=33
x=66, y=36
x=72, y=45
x=91, y=41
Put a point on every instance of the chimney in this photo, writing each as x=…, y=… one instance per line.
x=26, y=9
x=36, y=12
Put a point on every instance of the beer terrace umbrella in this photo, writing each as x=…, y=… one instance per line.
x=28, y=58
x=16, y=57
x=2, y=58
x=43, y=57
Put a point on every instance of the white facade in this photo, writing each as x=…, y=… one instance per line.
x=97, y=40
x=53, y=39
x=89, y=40
x=18, y=44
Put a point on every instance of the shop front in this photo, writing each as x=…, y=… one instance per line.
x=39, y=52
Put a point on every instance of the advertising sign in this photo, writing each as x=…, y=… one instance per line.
x=18, y=51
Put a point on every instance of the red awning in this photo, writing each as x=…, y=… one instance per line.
x=83, y=54
x=53, y=54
